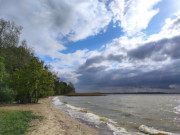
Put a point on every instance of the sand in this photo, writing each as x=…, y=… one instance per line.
x=55, y=121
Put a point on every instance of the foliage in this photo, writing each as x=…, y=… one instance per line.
x=23, y=76
x=2, y=70
x=7, y=95
x=9, y=33
x=15, y=122
x=28, y=82
x=62, y=88
x=46, y=84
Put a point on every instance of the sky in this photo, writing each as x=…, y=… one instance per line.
x=104, y=45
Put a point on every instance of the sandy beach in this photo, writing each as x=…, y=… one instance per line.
x=55, y=122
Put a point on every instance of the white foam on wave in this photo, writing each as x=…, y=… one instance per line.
x=118, y=130
x=56, y=101
x=152, y=131
x=177, y=109
x=77, y=112
x=73, y=107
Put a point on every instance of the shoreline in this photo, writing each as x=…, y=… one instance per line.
x=55, y=121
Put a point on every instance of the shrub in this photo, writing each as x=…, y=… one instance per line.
x=6, y=95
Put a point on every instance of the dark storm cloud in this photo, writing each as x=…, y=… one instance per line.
x=99, y=59
x=101, y=78
x=169, y=47
x=97, y=78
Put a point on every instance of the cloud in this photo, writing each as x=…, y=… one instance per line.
x=77, y=19
x=70, y=60
x=133, y=16
x=47, y=22
x=96, y=78
x=99, y=59
x=166, y=48
x=146, y=63
x=171, y=28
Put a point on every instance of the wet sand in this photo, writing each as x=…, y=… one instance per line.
x=55, y=121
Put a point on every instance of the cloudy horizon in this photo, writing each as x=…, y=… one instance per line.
x=104, y=45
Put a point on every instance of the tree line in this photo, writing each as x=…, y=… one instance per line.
x=24, y=78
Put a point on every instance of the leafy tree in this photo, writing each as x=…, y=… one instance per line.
x=2, y=70
x=9, y=33
x=6, y=94
x=15, y=56
x=21, y=73
x=26, y=82
x=46, y=84
x=32, y=82
x=63, y=88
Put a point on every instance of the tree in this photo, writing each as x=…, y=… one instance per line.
x=21, y=73
x=46, y=84
x=2, y=71
x=63, y=88
x=32, y=82
x=71, y=88
x=15, y=56
x=9, y=33
x=26, y=82
x=6, y=94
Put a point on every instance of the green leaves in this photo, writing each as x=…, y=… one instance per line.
x=21, y=73
x=32, y=82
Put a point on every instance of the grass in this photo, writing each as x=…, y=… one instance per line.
x=15, y=122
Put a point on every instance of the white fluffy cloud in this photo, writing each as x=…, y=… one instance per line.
x=76, y=19
x=133, y=16
x=170, y=29
x=46, y=22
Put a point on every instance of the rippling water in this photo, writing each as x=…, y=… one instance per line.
x=126, y=114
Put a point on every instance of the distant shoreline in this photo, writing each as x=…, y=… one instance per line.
x=85, y=94
x=105, y=94
x=141, y=93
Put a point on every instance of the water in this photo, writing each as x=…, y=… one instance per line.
x=126, y=114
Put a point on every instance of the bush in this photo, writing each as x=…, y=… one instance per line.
x=7, y=95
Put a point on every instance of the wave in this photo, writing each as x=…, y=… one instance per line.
x=152, y=131
x=125, y=113
x=88, y=116
x=56, y=101
x=90, y=103
x=94, y=119
x=122, y=105
x=177, y=108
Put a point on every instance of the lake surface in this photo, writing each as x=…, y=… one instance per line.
x=125, y=114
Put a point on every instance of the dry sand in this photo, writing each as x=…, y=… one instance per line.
x=55, y=122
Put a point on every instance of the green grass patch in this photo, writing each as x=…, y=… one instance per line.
x=15, y=122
